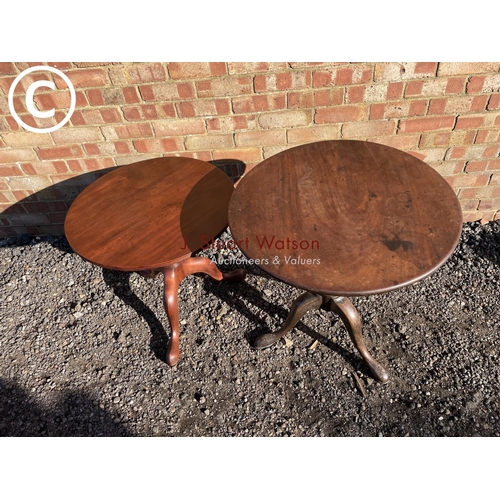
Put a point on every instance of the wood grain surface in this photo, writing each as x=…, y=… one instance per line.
x=345, y=217
x=149, y=214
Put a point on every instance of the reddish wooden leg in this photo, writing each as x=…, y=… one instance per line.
x=173, y=275
x=171, y=280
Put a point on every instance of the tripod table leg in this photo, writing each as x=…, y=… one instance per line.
x=350, y=317
x=305, y=302
x=173, y=275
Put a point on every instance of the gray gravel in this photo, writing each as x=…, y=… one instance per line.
x=82, y=350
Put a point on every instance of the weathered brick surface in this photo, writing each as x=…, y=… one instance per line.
x=447, y=114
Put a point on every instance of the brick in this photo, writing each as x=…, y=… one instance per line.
x=142, y=73
x=107, y=148
x=113, y=96
x=414, y=88
x=475, y=166
x=467, y=68
x=437, y=106
x=300, y=99
x=491, y=152
x=432, y=154
x=323, y=78
x=428, y=88
x=368, y=129
x=179, y=127
x=447, y=168
x=283, y=81
x=44, y=167
x=203, y=107
x=426, y=124
x=454, y=138
x=231, y=123
x=32, y=183
x=83, y=78
x=457, y=104
x=29, y=139
x=118, y=75
x=475, y=84
x=167, y=91
x=396, y=72
x=473, y=152
x=248, y=155
x=383, y=92
x=95, y=97
x=468, y=180
x=493, y=165
x=210, y=142
x=166, y=110
x=338, y=114
x=394, y=91
x=403, y=142
x=455, y=85
x=269, y=151
x=487, y=136
x=356, y=94
x=250, y=68
x=494, y=102
x=26, y=81
x=96, y=116
x=291, y=118
x=8, y=170
x=58, y=100
x=464, y=122
x=130, y=131
x=86, y=165
x=353, y=75
x=223, y=87
x=140, y=113
x=398, y=109
x=8, y=68
x=256, y=103
x=260, y=138
x=72, y=135
x=60, y=152
x=313, y=134
x=195, y=70
x=17, y=155
x=199, y=155
x=329, y=97
x=157, y=145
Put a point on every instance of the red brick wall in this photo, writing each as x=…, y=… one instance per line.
x=447, y=114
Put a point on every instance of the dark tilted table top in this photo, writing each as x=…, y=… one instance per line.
x=376, y=218
x=149, y=214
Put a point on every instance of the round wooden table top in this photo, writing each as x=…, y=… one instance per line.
x=345, y=217
x=149, y=214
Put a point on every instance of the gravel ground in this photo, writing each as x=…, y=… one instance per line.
x=82, y=352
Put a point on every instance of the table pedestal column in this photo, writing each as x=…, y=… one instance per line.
x=172, y=276
x=348, y=314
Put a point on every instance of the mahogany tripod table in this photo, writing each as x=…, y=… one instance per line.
x=151, y=216
x=344, y=218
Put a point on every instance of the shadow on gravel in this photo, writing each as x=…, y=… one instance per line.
x=75, y=414
x=485, y=241
x=119, y=282
x=234, y=298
